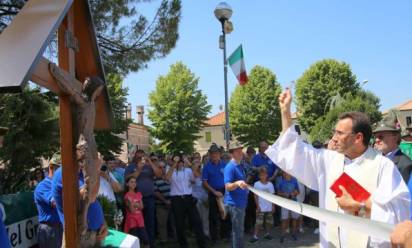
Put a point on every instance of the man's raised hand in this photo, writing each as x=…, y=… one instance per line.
x=285, y=100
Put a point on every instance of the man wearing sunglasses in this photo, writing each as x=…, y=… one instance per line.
x=389, y=201
x=387, y=139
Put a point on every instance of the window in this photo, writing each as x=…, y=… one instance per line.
x=408, y=120
x=208, y=136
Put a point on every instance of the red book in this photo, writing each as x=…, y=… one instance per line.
x=358, y=193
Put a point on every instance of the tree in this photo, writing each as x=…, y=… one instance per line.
x=33, y=133
x=254, y=108
x=363, y=101
x=177, y=109
x=109, y=142
x=323, y=80
x=126, y=45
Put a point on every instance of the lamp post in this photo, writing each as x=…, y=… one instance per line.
x=223, y=12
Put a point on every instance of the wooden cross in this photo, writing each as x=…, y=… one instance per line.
x=78, y=80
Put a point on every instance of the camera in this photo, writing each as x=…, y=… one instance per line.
x=104, y=168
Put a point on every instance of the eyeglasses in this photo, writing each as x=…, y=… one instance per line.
x=382, y=136
x=340, y=133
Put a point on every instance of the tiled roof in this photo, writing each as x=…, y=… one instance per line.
x=218, y=119
x=404, y=106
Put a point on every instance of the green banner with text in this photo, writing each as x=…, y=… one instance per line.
x=21, y=219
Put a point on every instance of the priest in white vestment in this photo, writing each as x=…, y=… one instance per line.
x=318, y=169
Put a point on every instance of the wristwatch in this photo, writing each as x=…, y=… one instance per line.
x=362, y=209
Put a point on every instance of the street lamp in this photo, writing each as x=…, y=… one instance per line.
x=223, y=12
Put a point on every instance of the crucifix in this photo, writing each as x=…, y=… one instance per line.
x=78, y=80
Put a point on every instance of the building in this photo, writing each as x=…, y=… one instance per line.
x=137, y=135
x=404, y=114
x=212, y=132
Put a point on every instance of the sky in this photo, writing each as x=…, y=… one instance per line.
x=374, y=37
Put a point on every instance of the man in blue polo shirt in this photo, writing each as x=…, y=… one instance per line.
x=261, y=159
x=212, y=176
x=236, y=193
x=97, y=229
x=50, y=230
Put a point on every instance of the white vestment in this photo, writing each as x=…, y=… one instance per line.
x=312, y=167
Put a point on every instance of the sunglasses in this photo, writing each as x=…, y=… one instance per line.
x=382, y=136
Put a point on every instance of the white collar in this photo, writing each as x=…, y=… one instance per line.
x=356, y=160
x=391, y=154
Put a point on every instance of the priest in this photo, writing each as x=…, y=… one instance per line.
x=319, y=169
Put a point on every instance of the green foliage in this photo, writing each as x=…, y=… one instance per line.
x=125, y=46
x=315, y=88
x=108, y=143
x=178, y=109
x=127, y=39
x=365, y=102
x=155, y=147
x=109, y=210
x=128, y=45
x=254, y=108
x=32, y=120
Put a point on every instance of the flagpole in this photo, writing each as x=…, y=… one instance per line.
x=223, y=12
x=227, y=125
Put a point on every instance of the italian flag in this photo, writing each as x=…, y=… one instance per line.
x=120, y=240
x=237, y=64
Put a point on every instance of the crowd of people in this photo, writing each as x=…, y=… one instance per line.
x=162, y=198
x=175, y=191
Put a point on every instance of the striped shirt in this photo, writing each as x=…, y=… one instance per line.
x=163, y=188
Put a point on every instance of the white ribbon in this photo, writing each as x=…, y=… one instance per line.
x=370, y=227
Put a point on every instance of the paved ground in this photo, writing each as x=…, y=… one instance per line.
x=306, y=239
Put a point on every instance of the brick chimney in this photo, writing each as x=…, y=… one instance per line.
x=140, y=114
x=129, y=111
